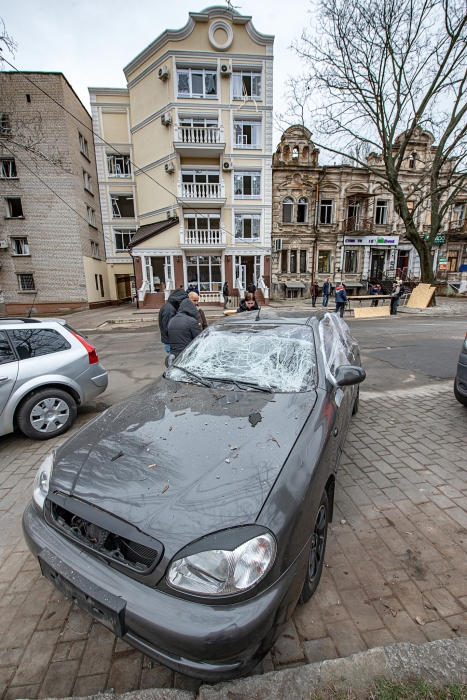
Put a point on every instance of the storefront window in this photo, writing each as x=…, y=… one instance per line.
x=324, y=261
x=204, y=271
x=350, y=261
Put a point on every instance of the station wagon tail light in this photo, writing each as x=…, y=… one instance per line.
x=219, y=572
x=42, y=480
x=92, y=352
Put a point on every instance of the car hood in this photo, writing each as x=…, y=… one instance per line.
x=179, y=461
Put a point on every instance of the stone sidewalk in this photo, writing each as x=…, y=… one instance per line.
x=395, y=568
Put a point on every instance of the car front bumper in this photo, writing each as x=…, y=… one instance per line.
x=210, y=642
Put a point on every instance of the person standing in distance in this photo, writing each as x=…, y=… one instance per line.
x=327, y=291
x=225, y=294
x=314, y=291
x=167, y=312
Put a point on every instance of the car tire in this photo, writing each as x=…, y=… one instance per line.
x=356, y=404
x=460, y=397
x=46, y=413
x=317, y=550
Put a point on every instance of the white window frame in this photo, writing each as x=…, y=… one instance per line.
x=381, y=208
x=8, y=165
x=119, y=215
x=83, y=145
x=353, y=254
x=20, y=242
x=87, y=181
x=194, y=123
x=123, y=232
x=278, y=244
x=329, y=204
x=290, y=204
x=239, y=87
x=196, y=215
x=241, y=174
x=20, y=275
x=209, y=265
x=303, y=202
x=95, y=250
x=256, y=131
x=204, y=72
x=198, y=173
x=239, y=221
x=117, y=169
x=91, y=213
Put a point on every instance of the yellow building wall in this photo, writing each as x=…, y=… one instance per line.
x=115, y=127
x=166, y=239
x=94, y=267
x=119, y=269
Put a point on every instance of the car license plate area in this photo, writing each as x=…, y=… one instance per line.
x=103, y=606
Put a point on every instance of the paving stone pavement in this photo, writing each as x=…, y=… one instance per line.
x=395, y=567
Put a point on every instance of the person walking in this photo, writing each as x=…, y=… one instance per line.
x=225, y=294
x=183, y=327
x=327, y=291
x=248, y=303
x=397, y=291
x=252, y=288
x=375, y=289
x=167, y=312
x=314, y=291
x=341, y=299
x=202, y=318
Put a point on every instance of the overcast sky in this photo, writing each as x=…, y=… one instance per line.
x=91, y=40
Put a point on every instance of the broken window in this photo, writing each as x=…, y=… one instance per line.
x=83, y=146
x=336, y=344
x=118, y=165
x=197, y=83
x=122, y=239
x=247, y=184
x=247, y=134
x=87, y=181
x=94, y=249
x=14, y=208
x=287, y=210
x=247, y=226
x=246, y=85
x=91, y=216
x=8, y=168
x=325, y=211
x=204, y=272
x=122, y=206
x=302, y=211
x=5, y=124
x=279, y=357
x=20, y=246
x=26, y=282
x=381, y=211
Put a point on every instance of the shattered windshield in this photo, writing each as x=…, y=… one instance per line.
x=277, y=356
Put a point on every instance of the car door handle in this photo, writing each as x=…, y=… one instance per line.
x=336, y=431
x=3, y=379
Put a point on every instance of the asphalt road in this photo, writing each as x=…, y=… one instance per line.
x=402, y=352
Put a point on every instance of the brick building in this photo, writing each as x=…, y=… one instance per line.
x=51, y=257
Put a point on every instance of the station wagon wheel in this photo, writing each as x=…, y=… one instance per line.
x=460, y=397
x=46, y=413
x=317, y=550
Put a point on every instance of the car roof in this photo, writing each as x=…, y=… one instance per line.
x=279, y=316
x=5, y=320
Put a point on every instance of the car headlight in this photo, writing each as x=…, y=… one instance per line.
x=221, y=571
x=42, y=480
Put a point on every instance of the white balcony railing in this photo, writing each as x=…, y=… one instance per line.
x=211, y=237
x=201, y=135
x=201, y=190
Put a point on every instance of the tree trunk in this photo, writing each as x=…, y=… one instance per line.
x=426, y=262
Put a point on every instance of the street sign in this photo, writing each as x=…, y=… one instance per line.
x=439, y=239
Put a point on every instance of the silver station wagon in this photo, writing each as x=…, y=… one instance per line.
x=47, y=369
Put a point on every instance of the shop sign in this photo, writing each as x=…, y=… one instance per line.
x=439, y=239
x=443, y=263
x=371, y=240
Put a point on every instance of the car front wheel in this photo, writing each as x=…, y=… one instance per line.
x=460, y=397
x=317, y=550
x=46, y=413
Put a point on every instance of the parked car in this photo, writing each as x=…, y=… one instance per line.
x=192, y=517
x=460, y=382
x=46, y=370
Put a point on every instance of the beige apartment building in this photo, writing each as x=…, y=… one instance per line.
x=184, y=158
x=338, y=222
x=52, y=256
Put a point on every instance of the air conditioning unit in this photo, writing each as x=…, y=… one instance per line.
x=3, y=244
x=166, y=119
x=169, y=167
x=278, y=244
x=163, y=73
x=172, y=213
x=227, y=165
x=226, y=69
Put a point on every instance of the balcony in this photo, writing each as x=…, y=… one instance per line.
x=202, y=238
x=459, y=226
x=357, y=223
x=203, y=194
x=192, y=141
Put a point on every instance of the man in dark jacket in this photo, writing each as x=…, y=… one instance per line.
x=167, y=312
x=341, y=298
x=314, y=291
x=183, y=327
x=202, y=317
x=252, y=288
x=248, y=304
x=327, y=291
x=225, y=294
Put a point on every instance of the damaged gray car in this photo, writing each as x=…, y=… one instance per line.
x=191, y=518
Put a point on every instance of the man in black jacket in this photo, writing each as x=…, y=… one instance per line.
x=183, y=327
x=167, y=312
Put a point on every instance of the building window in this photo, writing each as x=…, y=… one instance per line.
x=295, y=153
x=284, y=261
x=91, y=216
x=303, y=261
x=123, y=206
x=325, y=211
x=247, y=134
x=87, y=181
x=204, y=272
x=412, y=160
x=202, y=222
x=293, y=261
x=246, y=85
x=247, y=226
x=324, y=261
x=197, y=83
x=94, y=249
x=302, y=211
x=287, y=210
x=458, y=213
x=381, y=211
x=247, y=185
x=5, y=124
x=200, y=184
x=350, y=261
x=96, y=277
x=101, y=285
x=28, y=97
x=20, y=246
x=122, y=239
x=278, y=244
x=83, y=146
x=26, y=283
x=14, y=208
x=8, y=168
x=118, y=166
x=453, y=256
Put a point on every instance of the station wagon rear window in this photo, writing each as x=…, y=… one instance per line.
x=33, y=343
x=278, y=356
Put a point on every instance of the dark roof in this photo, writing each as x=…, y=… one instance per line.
x=145, y=232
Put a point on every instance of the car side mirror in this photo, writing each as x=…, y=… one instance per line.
x=347, y=375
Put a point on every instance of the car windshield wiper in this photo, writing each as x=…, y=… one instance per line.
x=240, y=383
x=194, y=376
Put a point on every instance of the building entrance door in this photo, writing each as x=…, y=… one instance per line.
x=377, y=264
x=402, y=263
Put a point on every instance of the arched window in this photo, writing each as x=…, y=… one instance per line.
x=295, y=153
x=412, y=160
x=305, y=153
x=287, y=210
x=302, y=210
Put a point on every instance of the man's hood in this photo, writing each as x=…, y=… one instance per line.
x=188, y=308
x=178, y=296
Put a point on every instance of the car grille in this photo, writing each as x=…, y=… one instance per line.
x=96, y=539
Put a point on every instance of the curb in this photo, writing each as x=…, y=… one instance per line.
x=434, y=311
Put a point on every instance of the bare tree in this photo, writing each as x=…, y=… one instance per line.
x=6, y=41
x=378, y=74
